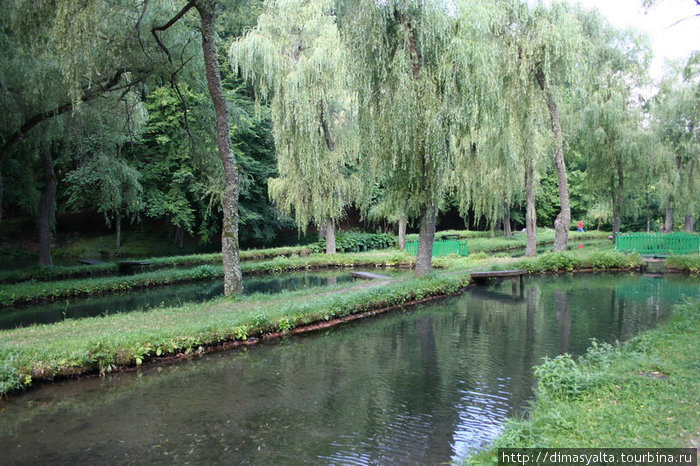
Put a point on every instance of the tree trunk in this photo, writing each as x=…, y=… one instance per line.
x=648, y=213
x=1, y=197
x=507, y=230
x=689, y=223
x=321, y=232
x=330, y=237
x=563, y=220
x=531, y=213
x=426, y=236
x=118, y=226
x=233, y=280
x=618, y=199
x=668, y=224
x=47, y=207
x=403, y=222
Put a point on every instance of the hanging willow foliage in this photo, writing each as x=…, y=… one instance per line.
x=426, y=73
x=492, y=177
x=295, y=59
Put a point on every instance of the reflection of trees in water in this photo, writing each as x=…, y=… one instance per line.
x=405, y=387
x=561, y=303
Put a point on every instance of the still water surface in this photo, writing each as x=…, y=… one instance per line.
x=426, y=385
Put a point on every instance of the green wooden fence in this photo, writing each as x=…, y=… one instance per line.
x=658, y=243
x=443, y=247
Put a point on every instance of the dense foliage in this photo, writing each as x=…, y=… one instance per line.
x=512, y=114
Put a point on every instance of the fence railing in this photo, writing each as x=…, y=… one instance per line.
x=658, y=243
x=443, y=247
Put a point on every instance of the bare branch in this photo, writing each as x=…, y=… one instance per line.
x=684, y=19
x=173, y=20
x=88, y=94
x=135, y=31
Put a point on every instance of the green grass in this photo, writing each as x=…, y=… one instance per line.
x=36, y=291
x=31, y=291
x=519, y=240
x=686, y=263
x=79, y=346
x=616, y=396
x=190, y=260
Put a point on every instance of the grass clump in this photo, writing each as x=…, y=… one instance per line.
x=689, y=263
x=577, y=260
x=642, y=393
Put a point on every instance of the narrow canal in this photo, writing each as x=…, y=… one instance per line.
x=424, y=385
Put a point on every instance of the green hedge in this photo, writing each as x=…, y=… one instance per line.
x=357, y=242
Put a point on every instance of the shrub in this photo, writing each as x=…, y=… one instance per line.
x=562, y=378
x=357, y=242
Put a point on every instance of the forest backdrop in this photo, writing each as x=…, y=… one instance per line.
x=486, y=113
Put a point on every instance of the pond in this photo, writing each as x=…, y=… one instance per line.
x=424, y=385
x=171, y=295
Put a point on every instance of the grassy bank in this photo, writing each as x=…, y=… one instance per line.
x=642, y=393
x=39, y=291
x=79, y=346
x=29, y=292
x=478, y=243
x=110, y=268
x=566, y=261
x=686, y=263
x=105, y=343
x=589, y=259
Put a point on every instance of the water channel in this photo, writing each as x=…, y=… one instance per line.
x=424, y=385
x=170, y=295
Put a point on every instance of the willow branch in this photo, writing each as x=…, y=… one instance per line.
x=87, y=95
x=173, y=20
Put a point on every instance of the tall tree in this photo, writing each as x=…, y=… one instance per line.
x=295, y=59
x=676, y=111
x=611, y=134
x=508, y=162
x=424, y=78
x=555, y=46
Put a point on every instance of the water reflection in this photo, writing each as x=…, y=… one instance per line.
x=424, y=386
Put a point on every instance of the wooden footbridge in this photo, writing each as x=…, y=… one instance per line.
x=479, y=276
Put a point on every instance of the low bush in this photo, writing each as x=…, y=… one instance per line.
x=357, y=242
x=576, y=260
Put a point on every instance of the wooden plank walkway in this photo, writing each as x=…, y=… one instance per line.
x=481, y=276
x=369, y=276
x=90, y=262
x=498, y=273
x=132, y=266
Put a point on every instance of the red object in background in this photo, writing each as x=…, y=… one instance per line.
x=580, y=245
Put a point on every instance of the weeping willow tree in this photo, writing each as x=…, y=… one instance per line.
x=295, y=59
x=551, y=49
x=424, y=75
x=612, y=134
x=506, y=165
x=67, y=54
x=676, y=111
